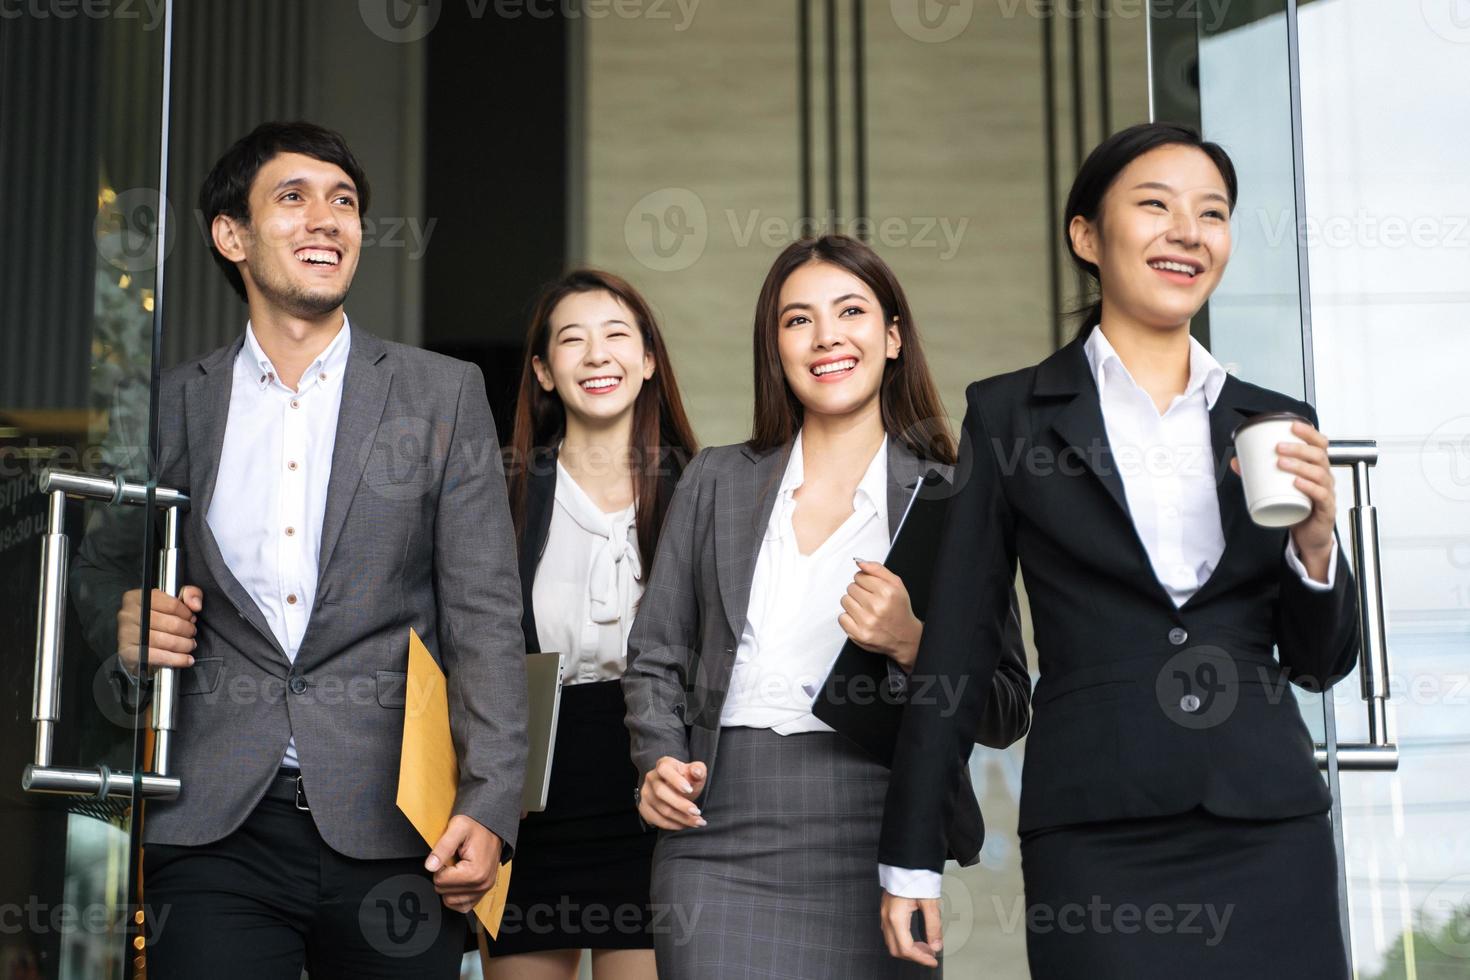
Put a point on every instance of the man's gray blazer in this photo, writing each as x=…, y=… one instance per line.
x=416, y=534
x=681, y=649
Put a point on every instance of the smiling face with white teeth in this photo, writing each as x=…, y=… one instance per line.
x=595, y=358
x=833, y=341
x=1161, y=238
x=299, y=249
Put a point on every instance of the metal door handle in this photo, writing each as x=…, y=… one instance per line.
x=40, y=775
x=1379, y=753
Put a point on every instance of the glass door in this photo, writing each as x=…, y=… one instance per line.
x=1348, y=286
x=1387, y=237
x=82, y=114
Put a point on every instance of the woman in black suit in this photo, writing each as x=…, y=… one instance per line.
x=1172, y=818
x=770, y=818
x=600, y=440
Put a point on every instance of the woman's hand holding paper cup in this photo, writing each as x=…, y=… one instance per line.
x=1298, y=491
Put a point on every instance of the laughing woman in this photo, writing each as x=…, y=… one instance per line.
x=600, y=439
x=766, y=864
x=1173, y=822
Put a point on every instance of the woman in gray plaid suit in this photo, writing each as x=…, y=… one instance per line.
x=766, y=864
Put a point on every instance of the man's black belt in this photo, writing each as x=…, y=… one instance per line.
x=286, y=787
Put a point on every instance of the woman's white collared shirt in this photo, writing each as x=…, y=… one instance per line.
x=1167, y=464
x=791, y=636
x=587, y=584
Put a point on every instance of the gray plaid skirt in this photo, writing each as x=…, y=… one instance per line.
x=784, y=880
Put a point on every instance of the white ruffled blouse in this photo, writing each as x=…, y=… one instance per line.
x=587, y=584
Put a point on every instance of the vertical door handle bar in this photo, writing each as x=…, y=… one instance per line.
x=1379, y=753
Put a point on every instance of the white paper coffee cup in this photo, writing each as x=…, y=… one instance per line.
x=1271, y=495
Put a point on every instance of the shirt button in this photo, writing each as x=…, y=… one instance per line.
x=295, y=403
x=1189, y=703
x=298, y=684
x=322, y=376
x=1177, y=636
x=290, y=532
x=291, y=601
x=291, y=465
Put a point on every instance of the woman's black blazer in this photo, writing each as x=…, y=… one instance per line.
x=1142, y=709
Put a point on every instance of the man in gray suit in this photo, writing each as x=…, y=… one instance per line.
x=343, y=490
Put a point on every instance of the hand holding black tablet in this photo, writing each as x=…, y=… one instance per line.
x=863, y=696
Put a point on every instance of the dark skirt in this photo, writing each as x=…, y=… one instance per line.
x=580, y=876
x=783, y=882
x=1192, y=895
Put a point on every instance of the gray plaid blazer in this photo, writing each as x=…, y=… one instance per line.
x=681, y=649
x=416, y=534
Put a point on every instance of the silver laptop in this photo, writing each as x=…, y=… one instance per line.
x=543, y=702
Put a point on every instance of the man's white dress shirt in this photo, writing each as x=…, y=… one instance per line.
x=271, y=489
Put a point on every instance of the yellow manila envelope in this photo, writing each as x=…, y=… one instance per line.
x=428, y=773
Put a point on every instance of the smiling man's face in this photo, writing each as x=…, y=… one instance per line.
x=301, y=245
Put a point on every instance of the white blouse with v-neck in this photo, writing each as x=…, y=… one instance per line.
x=791, y=636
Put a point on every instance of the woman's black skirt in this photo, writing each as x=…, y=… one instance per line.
x=581, y=870
x=1192, y=895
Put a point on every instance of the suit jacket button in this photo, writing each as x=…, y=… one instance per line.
x=298, y=684
x=1177, y=636
x=1189, y=703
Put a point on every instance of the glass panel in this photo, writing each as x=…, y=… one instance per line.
x=1245, y=106
x=1388, y=236
x=1256, y=314
x=80, y=92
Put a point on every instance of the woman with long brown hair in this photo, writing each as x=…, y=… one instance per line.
x=768, y=858
x=600, y=440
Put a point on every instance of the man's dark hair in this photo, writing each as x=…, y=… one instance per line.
x=227, y=188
